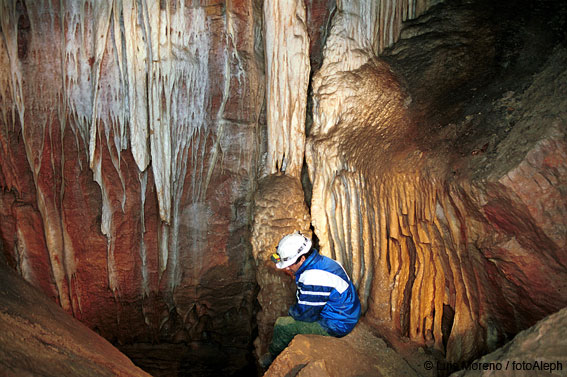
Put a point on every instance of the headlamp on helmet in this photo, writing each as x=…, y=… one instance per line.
x=290, y=248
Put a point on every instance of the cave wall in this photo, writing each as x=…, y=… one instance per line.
x=39, y=338
x=132, y=137
x=450, y=217
x=129, y=149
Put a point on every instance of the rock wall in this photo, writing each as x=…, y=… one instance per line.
x=130, y=142
x=538, y=350
x=38, y=338
x=432, y=219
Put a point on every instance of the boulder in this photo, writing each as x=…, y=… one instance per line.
x=38, y=338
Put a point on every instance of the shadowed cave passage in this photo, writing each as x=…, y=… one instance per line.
x=192, y=359
x=144, y=188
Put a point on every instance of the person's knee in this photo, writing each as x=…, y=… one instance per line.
x=284, y=321
x=283, y=326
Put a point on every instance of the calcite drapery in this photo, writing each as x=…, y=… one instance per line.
x=442, y=257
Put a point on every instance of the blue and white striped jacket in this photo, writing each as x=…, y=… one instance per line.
x=325, y=294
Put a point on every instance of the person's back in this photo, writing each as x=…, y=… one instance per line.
x=323, y=282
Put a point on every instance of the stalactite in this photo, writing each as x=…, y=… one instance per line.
x=191, y=116
x=143, y=177
x=107, y=227
x=12, y=108
x=287, y=76
x=101, y=16
x=54, y=239
x=156, y=40
x=134, y=59
x=105, y=51
x=8, y=22
x=373, y=26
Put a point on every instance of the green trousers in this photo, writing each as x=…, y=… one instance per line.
x=287, y=327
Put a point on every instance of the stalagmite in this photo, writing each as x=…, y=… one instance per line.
x=279, y=210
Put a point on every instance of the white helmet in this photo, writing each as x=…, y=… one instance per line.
x=290, y=248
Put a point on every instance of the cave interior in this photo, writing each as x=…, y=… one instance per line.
x=153, y=153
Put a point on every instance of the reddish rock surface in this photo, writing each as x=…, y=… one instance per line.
x=85, y=225
x=38, y=338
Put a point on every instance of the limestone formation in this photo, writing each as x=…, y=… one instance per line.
x=37, y=337
x=152, y=154
x=537, y=351
x=279, y=210
x=287, y=78
x=442, y=242
x=128, y=164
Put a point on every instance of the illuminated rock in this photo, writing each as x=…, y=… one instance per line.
x=124, y=178
x=39, y=339
x=436, y=230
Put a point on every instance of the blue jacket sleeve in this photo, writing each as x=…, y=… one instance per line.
x=305, y=313
x=309, y=306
